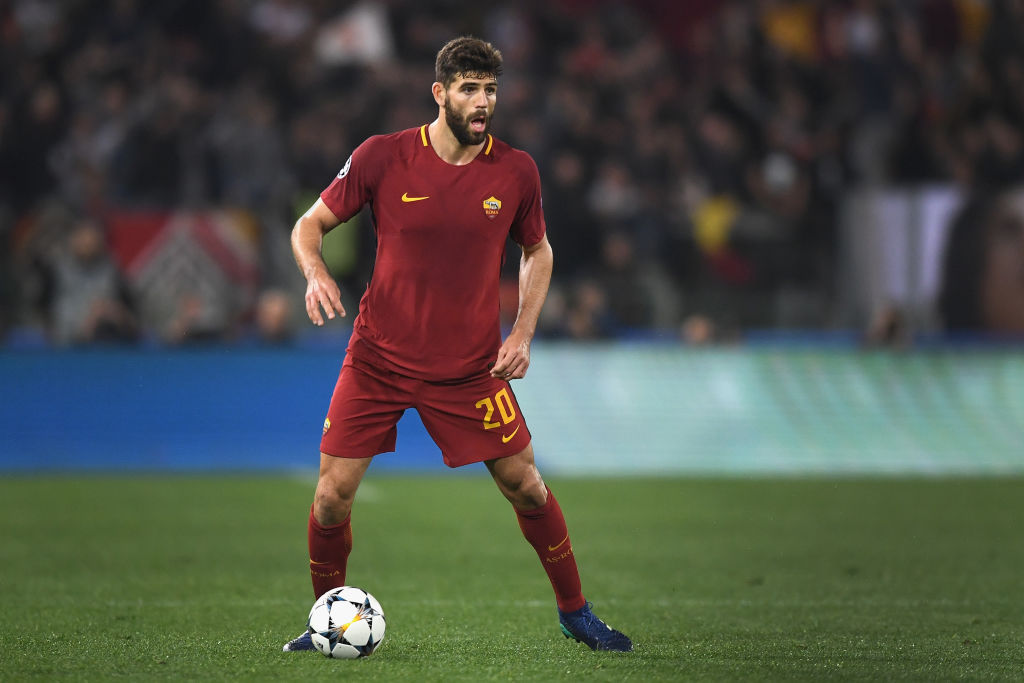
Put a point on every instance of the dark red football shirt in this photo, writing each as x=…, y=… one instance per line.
x=431, y=308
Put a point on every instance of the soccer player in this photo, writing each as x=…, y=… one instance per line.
x=445, y=197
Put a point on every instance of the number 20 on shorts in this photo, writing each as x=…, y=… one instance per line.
x=505, y=409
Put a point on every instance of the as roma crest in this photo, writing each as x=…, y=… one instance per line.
x=492, y=205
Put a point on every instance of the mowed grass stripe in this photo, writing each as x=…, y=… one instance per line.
x=204, y=577
x=611, y=601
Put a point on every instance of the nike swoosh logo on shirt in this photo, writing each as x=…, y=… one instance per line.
x=407, y=198
x=506, y=439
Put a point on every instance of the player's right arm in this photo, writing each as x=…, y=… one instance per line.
x=307, y=240
x=344, y=197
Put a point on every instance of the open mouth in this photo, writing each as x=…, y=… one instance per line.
x=477, y=124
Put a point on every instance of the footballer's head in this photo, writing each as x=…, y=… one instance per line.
x=466, y=56
x=466, y=86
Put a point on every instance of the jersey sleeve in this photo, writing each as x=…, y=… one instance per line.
x=528, y=227
x=355, y=183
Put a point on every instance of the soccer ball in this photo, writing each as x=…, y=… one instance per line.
x=346, y=623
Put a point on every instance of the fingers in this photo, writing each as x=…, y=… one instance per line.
x=331, y=303
x=510, y=365
x=334, y=297
x=326, y=296
x=313, y=309
x=500, y=367
x=517, y=370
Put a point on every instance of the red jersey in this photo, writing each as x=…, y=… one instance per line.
x=431, y=308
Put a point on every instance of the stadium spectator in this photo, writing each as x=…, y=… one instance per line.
x=199, y=318
x=36, y=130
x=274, y=318
x=983, y=270
x=91, y=303
x=588, y=316
x=638, y=293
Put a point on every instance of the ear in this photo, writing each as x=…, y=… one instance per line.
x=440, y=95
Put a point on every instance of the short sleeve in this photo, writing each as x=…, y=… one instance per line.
x=353, y=187
x=528, y=227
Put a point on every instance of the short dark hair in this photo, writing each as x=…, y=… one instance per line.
x=466, y=55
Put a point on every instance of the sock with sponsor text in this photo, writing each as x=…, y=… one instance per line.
x=545, y=529
x=329, y=547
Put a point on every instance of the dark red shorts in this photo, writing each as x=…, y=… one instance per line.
x=470, y=421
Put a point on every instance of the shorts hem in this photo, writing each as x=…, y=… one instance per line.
x=355, y=455
x=485, y=458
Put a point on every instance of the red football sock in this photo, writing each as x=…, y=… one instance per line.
x=545, y=529
x=329, y=547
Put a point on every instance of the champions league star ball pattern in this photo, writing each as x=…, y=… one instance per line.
x=346, y=623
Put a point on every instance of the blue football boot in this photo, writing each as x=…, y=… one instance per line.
x=584, y=627
x=303, y=642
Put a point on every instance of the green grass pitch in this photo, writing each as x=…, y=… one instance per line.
x=204, y=577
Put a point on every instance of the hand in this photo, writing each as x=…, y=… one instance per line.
x=513, y=358
x=322, y=292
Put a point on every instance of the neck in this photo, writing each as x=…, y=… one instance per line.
x=447, y=146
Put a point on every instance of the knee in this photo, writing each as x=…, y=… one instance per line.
x=526, y=491
x=331, y=503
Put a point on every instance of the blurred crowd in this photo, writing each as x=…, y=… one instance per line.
x=693, y=154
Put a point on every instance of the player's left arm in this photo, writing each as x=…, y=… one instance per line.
x=534, y=278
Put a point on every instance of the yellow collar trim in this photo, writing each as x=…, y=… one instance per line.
x=423, y=136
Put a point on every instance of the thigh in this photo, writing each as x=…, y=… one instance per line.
x=342, y=475
x=364, y=410
x=473, y=421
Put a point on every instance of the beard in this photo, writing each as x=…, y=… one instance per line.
x=459, y=126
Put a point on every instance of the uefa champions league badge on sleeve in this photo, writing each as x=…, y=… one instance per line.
x=344, y=169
